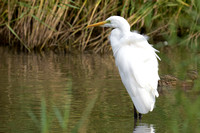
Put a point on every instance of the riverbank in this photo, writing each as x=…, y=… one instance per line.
x=61, y=25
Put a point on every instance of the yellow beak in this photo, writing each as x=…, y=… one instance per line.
x=97, y=24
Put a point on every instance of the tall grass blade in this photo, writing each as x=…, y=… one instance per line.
x=85, y=114
x=44, y=122
x=69, y=5
x=60, y=118
x=33, y=118
x=53, y=23
x=18, y=37
x=36, y=18
x=183, y=3
x=63, y=120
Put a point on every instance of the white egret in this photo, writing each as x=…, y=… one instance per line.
x=136, y=61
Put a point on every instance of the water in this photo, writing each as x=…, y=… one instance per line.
x=83, y=93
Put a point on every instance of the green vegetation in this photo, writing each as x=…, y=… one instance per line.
x=61, y=23
x=59, y=118
x=187, y=116
x=46, y=122
x=53, y=116
x=83, y=93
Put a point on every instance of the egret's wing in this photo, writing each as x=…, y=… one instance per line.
x=137, y=64
x=138, y=68
x=145, y=71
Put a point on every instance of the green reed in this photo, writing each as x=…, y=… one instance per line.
x=62, y=24
x=51, y=117
x=187, y=117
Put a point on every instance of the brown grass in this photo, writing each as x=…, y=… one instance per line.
x=62, y=23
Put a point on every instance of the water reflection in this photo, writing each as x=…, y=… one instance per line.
x=84, y=93
x=144, y=128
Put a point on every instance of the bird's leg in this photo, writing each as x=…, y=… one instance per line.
x=135, y=123
x=140, y=116
x=135, y=113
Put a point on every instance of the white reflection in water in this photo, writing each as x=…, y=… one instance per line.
x=144, y=128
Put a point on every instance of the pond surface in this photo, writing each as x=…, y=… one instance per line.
x=83, y=93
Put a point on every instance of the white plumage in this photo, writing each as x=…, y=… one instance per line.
x=136, y=61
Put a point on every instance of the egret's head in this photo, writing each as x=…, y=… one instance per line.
x=114, y=22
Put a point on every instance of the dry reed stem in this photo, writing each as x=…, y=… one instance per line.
x=53, y=23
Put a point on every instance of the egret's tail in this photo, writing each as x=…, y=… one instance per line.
x=144, y=101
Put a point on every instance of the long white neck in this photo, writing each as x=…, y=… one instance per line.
x=115, y=36
x=124, y=28
x=121, y=29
